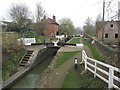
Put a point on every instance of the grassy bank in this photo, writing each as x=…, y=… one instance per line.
x=94, y=51
x=10, y=62
x=12, y=52
x=74, y=40
x=64, y=57
x=75, y=80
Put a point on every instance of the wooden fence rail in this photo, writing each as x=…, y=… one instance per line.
x=103, y=71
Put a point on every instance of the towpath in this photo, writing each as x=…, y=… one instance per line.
x=55, y=77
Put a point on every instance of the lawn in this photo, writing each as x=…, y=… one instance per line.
x=64, y=57
x=74, y=40
x=75, y=80
x=94, y=51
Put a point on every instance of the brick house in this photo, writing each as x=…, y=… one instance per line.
x=52, y=27
x=108, y=31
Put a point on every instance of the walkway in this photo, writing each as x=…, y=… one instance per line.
x=54, y=78
x=69, y=49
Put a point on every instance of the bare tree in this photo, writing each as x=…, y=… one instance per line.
x=89, y=28
x=40, y=13
x=88, y=21
x=40, y=27
x=41, y=21
x=19, y=13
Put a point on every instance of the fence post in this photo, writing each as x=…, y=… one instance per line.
x=85, y=62
x=95, y=69
x=111, y=74
x=83, y=55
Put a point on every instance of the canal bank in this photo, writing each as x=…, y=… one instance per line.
x=31, y=79
x=53, y=74
x=37, y=57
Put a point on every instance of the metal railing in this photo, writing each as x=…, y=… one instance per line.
x=101, y=70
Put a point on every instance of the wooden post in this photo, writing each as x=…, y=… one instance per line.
x=83, y=56
x=111, y=74
x=95, y=69
x=85, y=62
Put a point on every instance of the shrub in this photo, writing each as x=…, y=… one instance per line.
x=10, y=42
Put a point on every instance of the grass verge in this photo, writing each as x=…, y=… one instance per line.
x=75, y=80
x=74, y=40
x=64, y=57
x=93, y=49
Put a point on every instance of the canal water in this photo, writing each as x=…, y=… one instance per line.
x=31, y=79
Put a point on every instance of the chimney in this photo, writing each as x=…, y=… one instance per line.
x=54, y=18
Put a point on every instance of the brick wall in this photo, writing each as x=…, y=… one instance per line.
x=51, y=28
x=111, y=28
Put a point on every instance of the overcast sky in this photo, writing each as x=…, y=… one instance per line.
x=76, y=10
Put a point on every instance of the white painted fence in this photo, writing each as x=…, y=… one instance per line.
x=27, y=41
x=60, y=36
x=110, y=73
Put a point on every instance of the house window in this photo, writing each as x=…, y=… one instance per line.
x=106, y=35
x=116, y=35
x=111, y=25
